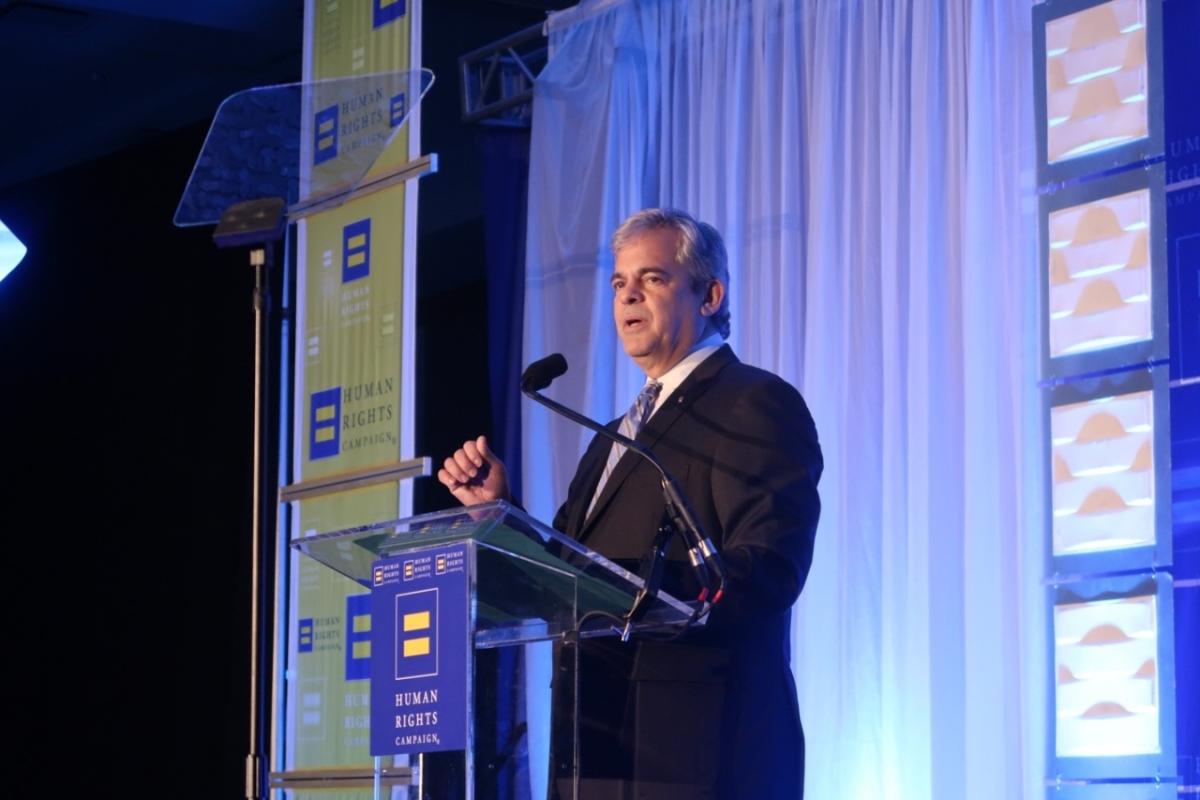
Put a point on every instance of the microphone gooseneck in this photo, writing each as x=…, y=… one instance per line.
x=705, y=560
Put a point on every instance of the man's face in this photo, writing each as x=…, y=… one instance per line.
x=659, y=316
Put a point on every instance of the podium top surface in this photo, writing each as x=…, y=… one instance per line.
x=526, y=570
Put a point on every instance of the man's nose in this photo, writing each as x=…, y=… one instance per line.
x=628, y=294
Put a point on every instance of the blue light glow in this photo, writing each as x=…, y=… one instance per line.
x=11, y=251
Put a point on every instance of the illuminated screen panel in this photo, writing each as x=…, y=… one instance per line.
x=1107, y=695
x=1099, y=274
x=1113, y=683
x=1096, y=79
x=1104, y=263
x=1102, y=461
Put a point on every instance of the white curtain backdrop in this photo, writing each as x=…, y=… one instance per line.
x=870, y=165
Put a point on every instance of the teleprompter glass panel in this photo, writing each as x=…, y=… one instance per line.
x=306, y=143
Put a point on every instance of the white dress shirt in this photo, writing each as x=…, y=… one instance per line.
x=676, y=375
x=670, y=380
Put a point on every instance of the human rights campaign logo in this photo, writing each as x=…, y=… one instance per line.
x=304, y=636
x=325, y=409
x=397, y=107
x=358, y=637
x=356, y=250
x=416, y=634
x=387, y=11
x=326, y=128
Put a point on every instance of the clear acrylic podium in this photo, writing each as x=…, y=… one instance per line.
x=526, y=584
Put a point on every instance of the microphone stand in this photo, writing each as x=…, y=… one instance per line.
x=651, y=576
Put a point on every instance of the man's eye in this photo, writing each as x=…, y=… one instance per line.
x=617, y=285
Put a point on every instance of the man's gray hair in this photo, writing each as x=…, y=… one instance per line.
x=701, y=250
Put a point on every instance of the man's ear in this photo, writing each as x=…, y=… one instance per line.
x=714, y=295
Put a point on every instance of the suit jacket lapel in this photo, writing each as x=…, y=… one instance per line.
x=656, y=427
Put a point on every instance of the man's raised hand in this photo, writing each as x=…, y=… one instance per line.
x=474, y=474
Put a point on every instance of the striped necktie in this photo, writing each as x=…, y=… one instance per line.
x=631, y=426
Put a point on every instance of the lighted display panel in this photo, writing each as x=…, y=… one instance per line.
x=1109, y=458
x=1098, y=84
x=1104, y=269
x=1107, y=697
x=1096, y=79
x=1099, y=276
x=1113, y=698
x=1099, y=120
x=1103, y=465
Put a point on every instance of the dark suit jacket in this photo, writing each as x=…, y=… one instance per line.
x=714, y=713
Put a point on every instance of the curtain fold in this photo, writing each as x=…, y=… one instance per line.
x=864, y=161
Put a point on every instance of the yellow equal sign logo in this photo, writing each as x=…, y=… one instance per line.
x=409, y=570
x=417, y=645
x=325, y=135
x=323, y=422
x=441, y=565
x=417, y=631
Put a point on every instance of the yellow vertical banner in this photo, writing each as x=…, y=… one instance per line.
x=352, y=404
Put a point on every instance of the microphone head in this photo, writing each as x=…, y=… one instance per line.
x=542, y=373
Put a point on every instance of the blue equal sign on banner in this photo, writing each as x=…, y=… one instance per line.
x=421, y=646
x=304, y=635
x=325, y=135
x=385, y=11
x=356, y=250
x=325, y=411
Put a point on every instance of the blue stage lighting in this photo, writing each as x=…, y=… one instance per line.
x=11, y=251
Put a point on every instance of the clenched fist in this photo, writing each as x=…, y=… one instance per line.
x=474, y=474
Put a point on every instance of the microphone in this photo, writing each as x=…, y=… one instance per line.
x=701, y=553
x=541, y=373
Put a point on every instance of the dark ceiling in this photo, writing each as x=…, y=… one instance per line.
x=83, y=78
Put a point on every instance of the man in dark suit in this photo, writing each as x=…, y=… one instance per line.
x=712, y=714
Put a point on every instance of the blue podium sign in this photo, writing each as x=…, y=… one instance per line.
x=420, y=646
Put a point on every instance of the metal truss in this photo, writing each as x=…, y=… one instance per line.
x=496, y=81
